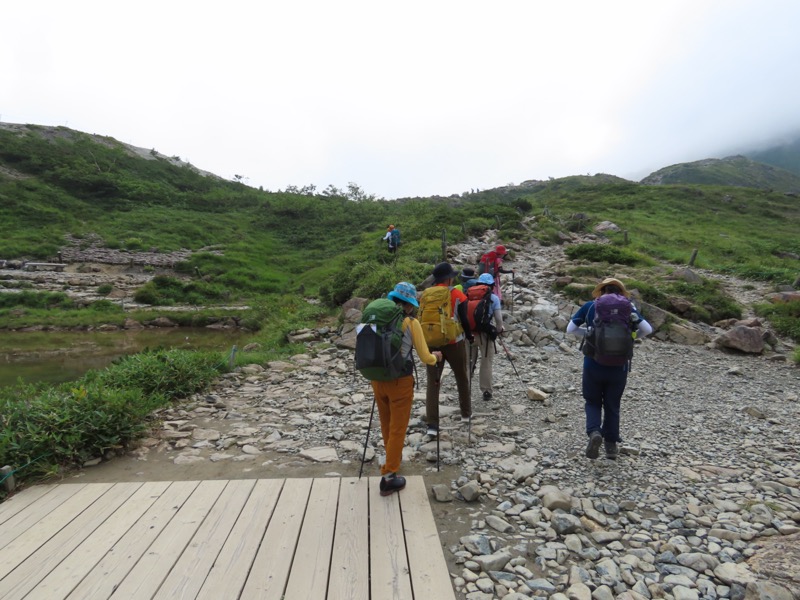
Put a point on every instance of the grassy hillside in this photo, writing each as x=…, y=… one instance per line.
x=55, y=181
x=733, y=171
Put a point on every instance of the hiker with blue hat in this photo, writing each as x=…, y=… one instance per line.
x=394, y=398
x=486, y=322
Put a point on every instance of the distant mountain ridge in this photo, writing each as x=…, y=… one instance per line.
x=785, y=156
x=737, y=171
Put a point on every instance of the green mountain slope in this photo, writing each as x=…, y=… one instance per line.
x=55, y=181
x=734, y=170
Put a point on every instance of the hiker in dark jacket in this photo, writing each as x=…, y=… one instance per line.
x=603, y=385
x=467, y=279
x=394, y=398
x=389, y=239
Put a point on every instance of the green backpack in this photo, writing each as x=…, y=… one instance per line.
x=379, y=341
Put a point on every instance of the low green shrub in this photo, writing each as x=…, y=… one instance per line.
x=105, y=289
x=47, y=300
x=709, y=301
x=165, y=291
x=105, y=306
x=606, y=253
x=170, y=374
x=57, y=426
x=784, y=317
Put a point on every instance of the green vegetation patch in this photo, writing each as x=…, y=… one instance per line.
x=45, y=428
x=606, y=253
x=784, y=317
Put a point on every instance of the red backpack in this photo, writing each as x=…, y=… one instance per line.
x=488, y=264
x=479, y=308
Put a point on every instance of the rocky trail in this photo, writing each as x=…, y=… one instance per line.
x=704, y=501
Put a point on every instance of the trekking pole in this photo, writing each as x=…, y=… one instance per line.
x=438, y=382
x=512, y=292
x=366, y=441
x=437, y=451
x=511, y=360
x=468, y=359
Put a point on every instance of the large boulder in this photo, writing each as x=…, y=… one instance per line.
x=743, y=338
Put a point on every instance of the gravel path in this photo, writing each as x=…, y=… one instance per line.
x=704, y=501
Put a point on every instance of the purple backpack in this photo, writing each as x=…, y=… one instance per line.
x=609, y=340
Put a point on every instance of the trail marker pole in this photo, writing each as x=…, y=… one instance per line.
x=692, y=259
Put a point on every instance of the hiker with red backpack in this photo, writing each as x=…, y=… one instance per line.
x=392, y=383
x=492, y=263
x=612, y=323
x=486, y=322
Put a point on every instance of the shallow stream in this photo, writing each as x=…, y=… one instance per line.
x=54, y=357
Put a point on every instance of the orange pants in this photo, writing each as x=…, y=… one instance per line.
x=394, y=400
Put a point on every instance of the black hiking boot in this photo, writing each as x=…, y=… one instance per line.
x=392, y=483
x=612, y=450
x=593, y=447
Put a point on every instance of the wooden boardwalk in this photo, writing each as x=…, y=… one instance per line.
x=281, y=539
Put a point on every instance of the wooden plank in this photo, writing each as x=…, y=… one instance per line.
x=48, y=524
x=121, y=558
x=229, y=573
x=388, y=563
x=22, y=521
x=191, y=570
x=21, y=500
x=271, y=566
x=63, y=579
x=153, y=567
x=48, y=556
x=312, y=560
x=429, y=574
x=349, y=578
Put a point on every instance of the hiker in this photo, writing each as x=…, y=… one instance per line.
x=446, y=328
x=603, y=384
x=492, y=263
x=394, y=398
x=466, y=278
x=486, y=322
x=392, y=238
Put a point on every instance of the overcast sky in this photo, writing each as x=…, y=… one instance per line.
x=409, y=98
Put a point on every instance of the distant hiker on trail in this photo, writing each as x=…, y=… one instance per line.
x=492, y=263
x=392, y=238
x=394, y=397
x=486, y=322
x=467, y=278
x=442, y=314
x=612, y=324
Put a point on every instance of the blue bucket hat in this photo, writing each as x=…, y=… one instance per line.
x=486, y=278
x=405, y=292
